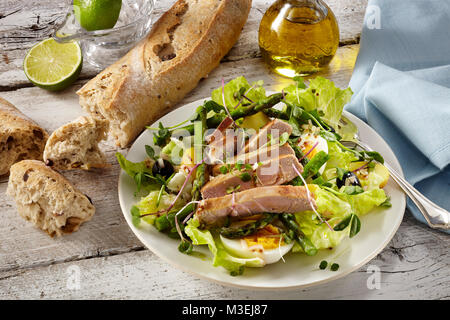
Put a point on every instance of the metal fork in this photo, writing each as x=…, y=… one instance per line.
x=436, y=216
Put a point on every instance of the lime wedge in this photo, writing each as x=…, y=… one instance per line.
x=53, y=66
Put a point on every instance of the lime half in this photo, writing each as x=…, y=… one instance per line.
x=53, y=66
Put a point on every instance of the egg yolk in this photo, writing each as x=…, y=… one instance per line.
x=306, y=146
x=268, y=237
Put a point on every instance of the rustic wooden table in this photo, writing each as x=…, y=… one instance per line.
x=111, y=261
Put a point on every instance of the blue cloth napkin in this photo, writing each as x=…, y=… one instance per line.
x=401, y=82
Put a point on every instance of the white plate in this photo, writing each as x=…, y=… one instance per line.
x=377, y=228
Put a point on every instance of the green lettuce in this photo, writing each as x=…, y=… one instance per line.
x=140, y=172
x=330, y=206
x=347, y=129
x=365, y=202
x=322, y=95
x=317, y=232
x=329, y=99
x=373, y=180
x=147, y=205
x=221, y=258
x=174, y=151
x=232, y=89
x=338, y=159
x=335, y=206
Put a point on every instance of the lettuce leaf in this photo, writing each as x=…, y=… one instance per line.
x=338, y=159
x=365, y=202
x=335, y=206
x=174, y=151
x=138, y=171
x=233, y=88
x=319, y=233
x=297, y=95
x=330, y=206
x=373, y=180
x=147, y=205
x=326, y=97
x=221, y=258
x=329, y=100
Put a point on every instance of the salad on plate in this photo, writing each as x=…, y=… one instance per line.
x=254, y=175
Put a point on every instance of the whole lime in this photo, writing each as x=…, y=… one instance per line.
x=97, y=14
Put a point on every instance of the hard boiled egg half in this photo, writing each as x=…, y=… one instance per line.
x=308, y=140
x=267, y=244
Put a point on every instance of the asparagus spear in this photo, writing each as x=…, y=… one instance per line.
x=313, y=166
x=211, y=122
x=199, y=182
x=199, y=140
x=269, y=102
x=274, y=113
x=242, y=111
x=298, y=152
x=289, y=222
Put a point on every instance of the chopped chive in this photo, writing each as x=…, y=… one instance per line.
x=323, y=265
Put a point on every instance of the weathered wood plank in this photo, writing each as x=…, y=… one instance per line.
x=24, y=23
x=413, y=266
x=22, y=246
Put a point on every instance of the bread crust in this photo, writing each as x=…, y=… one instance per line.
x=20, y=137
x=185, y=44
x=47, y=199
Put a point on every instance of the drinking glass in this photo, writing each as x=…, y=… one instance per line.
x=101, y=48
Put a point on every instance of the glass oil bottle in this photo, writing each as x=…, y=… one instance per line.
x=298, y=37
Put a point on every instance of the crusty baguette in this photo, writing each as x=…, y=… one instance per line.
x=20, y=137
x=185, y=44
x=75, y=145
x=47, y=199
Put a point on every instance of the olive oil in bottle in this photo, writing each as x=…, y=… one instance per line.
x=298, y=37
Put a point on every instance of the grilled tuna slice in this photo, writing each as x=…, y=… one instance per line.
x=224, y=142
x=263, y=155
x=274, y=128
x=273, y=172
x=278, y=171
x=224, y=148
x=214, y=212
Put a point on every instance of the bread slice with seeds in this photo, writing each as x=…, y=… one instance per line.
x=47, y=199
x=75, y=145
x=20, y=137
